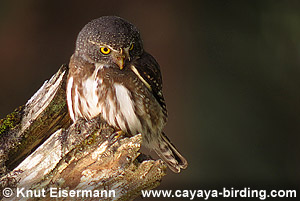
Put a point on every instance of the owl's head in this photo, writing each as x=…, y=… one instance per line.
x=109, y=40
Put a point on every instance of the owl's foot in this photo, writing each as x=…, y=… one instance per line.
x=114, y=137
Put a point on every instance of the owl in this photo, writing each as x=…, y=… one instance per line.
x=110, y=74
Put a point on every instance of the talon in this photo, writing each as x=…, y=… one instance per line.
x=115, y=137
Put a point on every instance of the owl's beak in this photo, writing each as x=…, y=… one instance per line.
x=120, y=62
x=121, y=58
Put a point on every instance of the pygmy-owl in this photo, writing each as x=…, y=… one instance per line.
x=111, y=75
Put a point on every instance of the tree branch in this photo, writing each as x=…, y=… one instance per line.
x=80, y=156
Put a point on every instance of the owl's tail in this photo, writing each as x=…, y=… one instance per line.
x=168, y=153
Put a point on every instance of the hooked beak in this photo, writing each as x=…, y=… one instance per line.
x=121, y=57
x=120, y=62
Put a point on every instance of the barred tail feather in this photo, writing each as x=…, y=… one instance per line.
x=168, y=153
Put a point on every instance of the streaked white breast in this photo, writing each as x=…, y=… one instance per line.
x=127, y=109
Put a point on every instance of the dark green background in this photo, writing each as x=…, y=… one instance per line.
x=230, y=70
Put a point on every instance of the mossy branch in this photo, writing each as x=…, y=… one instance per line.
x=43, y=149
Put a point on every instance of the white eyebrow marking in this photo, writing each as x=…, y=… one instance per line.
x=101, y=45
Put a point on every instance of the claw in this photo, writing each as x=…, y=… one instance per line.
x=114, y=137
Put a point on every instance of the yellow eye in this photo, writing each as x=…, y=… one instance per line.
x=131, y=46
x=105, y=50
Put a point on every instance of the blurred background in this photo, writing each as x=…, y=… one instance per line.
x=230, y=69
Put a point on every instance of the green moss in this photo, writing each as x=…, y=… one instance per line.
x=11, y=120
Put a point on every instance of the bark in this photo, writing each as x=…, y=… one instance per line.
x=44, y=150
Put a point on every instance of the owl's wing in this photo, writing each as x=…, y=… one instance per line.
x=149, y=72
